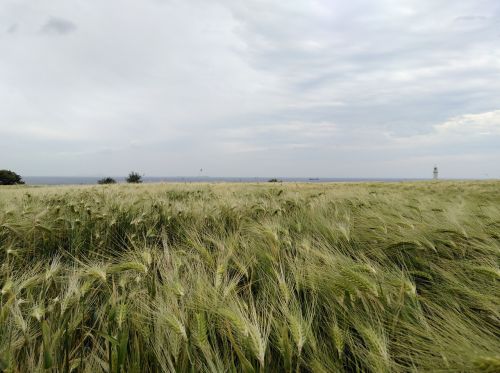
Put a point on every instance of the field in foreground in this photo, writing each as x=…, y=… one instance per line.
x=304, y=278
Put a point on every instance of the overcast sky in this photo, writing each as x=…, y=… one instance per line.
x=313, y=88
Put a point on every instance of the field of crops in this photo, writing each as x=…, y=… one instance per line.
x=373, y=277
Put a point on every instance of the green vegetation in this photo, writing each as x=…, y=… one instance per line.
x=106, y=180
x=259, y=277
x=8, y=177
x=134, y=178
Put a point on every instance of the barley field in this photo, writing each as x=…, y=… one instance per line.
x=358, y=277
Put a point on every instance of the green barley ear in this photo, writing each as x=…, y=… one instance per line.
x=360, y=281
x=97, y=272
x=338, y=338
x=147, y=258
x=54, y=269
x=178, y=289
x=121, y=314
x=176, y=325
x=494, y=273
x=129, y=266
x=7, y=287
x=38, y=313
x=219, y=273
x=283, y=286
x=201, y=330
x=490, y=364
x=6, y=309
x=298, y=330
x=377, y=346
x=18, y=318
x=256, y=343
x=285, y=346
x=235, y=320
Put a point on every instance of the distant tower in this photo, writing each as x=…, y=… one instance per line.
x=435, y=173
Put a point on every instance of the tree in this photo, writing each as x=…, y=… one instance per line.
x=8, y=177
x=107, y=180
x=134, y=178
x=274, y=180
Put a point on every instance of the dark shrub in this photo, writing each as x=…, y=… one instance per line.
x=107, y=180
x=8, y=177
x=134, y=177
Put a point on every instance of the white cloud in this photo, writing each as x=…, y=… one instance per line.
x=464, y=130
x=471, y=125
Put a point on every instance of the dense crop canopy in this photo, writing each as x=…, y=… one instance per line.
x=251, y=277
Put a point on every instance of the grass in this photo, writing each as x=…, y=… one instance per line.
x=374, y=277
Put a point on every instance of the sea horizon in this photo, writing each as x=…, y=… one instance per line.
x=89, y=180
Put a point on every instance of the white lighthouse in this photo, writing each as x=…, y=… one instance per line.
x=435, y=173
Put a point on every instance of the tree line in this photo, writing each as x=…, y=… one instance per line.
x=132, y=178
x=8, y=177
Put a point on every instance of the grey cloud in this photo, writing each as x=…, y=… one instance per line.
x=12, y=29
x=246, y=87
x=58, y=26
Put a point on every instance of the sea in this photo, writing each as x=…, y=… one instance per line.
x=89, y=180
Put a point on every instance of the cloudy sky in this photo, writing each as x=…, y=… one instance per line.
x=323, y=88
